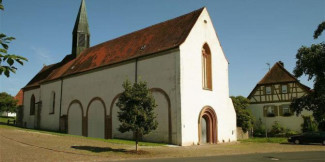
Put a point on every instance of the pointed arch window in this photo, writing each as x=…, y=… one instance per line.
x=32, y=105
x=52, y=107
x=206, y=68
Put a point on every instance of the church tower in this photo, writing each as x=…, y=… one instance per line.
x=80, y=34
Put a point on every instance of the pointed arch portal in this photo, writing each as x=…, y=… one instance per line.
x=208, y=127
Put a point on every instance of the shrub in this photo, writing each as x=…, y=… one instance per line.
x=259, y=129
x=289, y=132
x=277, y=130
x=309, y=124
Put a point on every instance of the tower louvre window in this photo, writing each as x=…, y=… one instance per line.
x=81, y=40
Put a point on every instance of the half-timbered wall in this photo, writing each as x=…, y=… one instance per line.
x=260, y=95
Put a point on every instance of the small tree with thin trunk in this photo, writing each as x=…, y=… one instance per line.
x=136, y=113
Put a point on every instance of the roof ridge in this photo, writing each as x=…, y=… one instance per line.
x=267, y=78
x=157, y=24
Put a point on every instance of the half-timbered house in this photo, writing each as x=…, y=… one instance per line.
x=270, y=99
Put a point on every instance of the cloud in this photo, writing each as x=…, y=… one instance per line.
x=43, y=54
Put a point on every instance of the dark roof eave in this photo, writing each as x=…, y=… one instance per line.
x=114, y=63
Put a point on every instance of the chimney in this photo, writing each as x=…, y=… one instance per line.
x=281, y=63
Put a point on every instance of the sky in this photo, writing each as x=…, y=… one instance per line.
x=251, y=32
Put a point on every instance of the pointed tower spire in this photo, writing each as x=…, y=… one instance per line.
x=80, y=34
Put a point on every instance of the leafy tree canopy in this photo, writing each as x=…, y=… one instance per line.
x=245, y=119
x=136, y=113
x=319, y=30
x=311, y=62
x=7, y=60
x=1, y=6
x=7, y=103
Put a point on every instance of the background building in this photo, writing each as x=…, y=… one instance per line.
x=272, y=96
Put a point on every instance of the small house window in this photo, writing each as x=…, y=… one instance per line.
x=206, y=68
x=286, y=110
x=268, y=90
x=270, y=111
x=52, y=107
x=32, y=105
x=284, y=88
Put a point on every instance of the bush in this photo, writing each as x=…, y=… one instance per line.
x=277, y=130
x=289, y=132
x=259, y=129
x=309, y=124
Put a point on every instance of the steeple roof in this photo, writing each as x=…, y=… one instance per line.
x=81, y=24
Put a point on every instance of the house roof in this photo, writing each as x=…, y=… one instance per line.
x=156, y=38
x=19, y=96
x=277, y=75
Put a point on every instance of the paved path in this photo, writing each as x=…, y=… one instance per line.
x=317, y=156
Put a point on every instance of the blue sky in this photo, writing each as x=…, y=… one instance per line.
x=252, y=32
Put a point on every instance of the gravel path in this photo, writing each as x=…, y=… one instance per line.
x=22, y=145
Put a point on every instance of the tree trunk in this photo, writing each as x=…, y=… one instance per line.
x=136, y=142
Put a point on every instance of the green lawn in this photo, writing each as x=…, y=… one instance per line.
x=266, y=140
x=4, y=119
x=116, y=141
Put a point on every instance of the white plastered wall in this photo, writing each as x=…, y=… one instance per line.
x=193, y=97
x=96, y=120
x=292, y=122
x=105, y=84
x=75, y=119
x=159, y=71
x=29, y=119
x=50, y=121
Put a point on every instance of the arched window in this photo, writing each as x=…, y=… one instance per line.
x=52, y=106
x=32, y=105
x=206, y=67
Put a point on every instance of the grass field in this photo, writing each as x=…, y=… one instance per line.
x=4, y=119
x=115, y=141
x=266, y=140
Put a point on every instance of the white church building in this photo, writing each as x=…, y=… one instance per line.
x=182, y=62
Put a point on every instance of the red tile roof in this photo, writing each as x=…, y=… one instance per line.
x=153, y=39
x=49, y=72
x=277, y=74
x=160, y=37
x=19, y=96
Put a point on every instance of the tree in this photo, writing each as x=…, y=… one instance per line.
x=245, y=119
x=136, y=113
x=9, y=59
x=7, y=103
x=319, y=30
x=311, y=62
